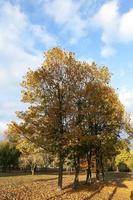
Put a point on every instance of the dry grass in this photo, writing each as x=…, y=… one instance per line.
x=44, y=187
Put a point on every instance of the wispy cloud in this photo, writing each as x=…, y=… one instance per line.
x=107, y=51
x=67, y=14
x=116, y=27
x=126, y=97
x=19, y=50
x=3, y=126
x=18, y=40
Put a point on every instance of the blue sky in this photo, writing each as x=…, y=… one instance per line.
x=96, y=30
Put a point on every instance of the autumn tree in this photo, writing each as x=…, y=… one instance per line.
x=124, y=155
x=105, y=119
x=31, y=155
x=50, y=91
x=71, y=109
x=79, y=122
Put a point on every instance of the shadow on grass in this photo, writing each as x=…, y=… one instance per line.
x=94, y=193
x=57, y=196
x=82, y=187
x=117, y=184
x=93, y=188
x=112, y=194
x=118, y=175
x=131, y=197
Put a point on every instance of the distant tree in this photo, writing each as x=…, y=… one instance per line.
x=31, y=155
x=31, y=160
x=9, y=155
x=124, y=156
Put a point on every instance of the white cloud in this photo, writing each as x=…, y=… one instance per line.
x=126, y=97
x=115, y=26
x=19, y=39
x=107, y=18
x=7, y=113
x=3, y=127
x=8, y=108
x=41, y=33
x=68, y=15
x=18, y=29
x=126, y=26
x=60, y=10
x=107, y=51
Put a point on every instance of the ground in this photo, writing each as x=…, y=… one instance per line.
x=117, y=186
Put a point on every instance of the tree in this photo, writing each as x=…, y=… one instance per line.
x=53, y=91
x=71, y=109
x=105, y=119
x=32, y=160
x=79, y=123
x=124, y=155
x=30, y=155
x=9, y=155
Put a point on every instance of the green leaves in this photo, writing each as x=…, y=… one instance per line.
x=9, y=155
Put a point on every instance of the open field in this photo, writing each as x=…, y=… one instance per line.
x=44, y=187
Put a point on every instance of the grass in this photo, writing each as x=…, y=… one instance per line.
x=117, y=186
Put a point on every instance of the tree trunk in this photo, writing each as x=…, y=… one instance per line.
x=97, y=164
x=117, y=168
x=33, y=171
x=89, y=167
x=102, y=167
x=60, y=173
x=77, y=170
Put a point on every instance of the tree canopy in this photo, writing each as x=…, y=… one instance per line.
x=72, y=110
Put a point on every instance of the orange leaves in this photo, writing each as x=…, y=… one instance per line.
x=71, y=103
x=54, y=90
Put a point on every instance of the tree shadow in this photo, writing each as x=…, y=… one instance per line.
x=93, y=187
x=94, y=193
x=57, y=196
x=112, y=194
x=131, y=197
x=118, y=175
x=117, y=184
x=82, y=186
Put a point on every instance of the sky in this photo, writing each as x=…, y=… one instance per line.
x=95, y=30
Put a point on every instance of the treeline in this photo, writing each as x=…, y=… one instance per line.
x=73, y=112
x=24, y=156
x=9, y=156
